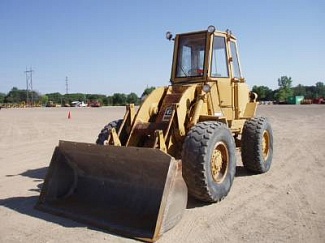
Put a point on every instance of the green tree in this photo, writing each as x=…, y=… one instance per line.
x=93, y=97
x=132, y=98
x=320, y=90
x=55, y=97
x=75, y=97
x=2, y=97
x=44, y=99
x=299, y=90
x=310, y=92
x=15, y=96
x=34, y=96
x=119, y=99
x=20, y=95
x=264, y=93
x=108, y=100
x=285, y=89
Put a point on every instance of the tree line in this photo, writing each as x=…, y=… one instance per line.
x=287, y=90
x=17, y=96
x=281, y=95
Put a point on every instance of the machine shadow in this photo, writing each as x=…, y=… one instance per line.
x=194, y=203
x=37, y=174
x=26, y=206
x=241, y=171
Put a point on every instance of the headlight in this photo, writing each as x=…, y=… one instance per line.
x=211, y=29
x=169, y=35
x=206, y=88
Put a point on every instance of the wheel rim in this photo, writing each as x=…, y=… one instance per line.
x=266, y=144
x=219, y=162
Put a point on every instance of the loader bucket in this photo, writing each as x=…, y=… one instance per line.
x=131, y=191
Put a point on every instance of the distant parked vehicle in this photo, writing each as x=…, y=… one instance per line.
x=78, y=104
x=319, y=101
x=50, y=104
x=94, y=103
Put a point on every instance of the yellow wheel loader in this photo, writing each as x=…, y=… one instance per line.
x=135, y=180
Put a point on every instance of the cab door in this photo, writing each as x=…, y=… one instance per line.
x=241, y=89
x=220, y=74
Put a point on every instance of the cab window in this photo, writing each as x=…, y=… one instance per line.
x=190, y=56
x=235, y=63
x=219, y=58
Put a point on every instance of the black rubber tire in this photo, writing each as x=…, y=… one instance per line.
x=103, y=135
x=257, y=145
x=200, y=144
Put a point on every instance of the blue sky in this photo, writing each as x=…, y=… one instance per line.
x=113, y=46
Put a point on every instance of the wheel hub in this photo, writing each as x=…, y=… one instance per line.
x=219, y=162
x=266, y=145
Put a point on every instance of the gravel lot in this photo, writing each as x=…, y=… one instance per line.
x=287, y=204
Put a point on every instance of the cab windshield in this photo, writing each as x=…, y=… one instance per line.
x=191, y=55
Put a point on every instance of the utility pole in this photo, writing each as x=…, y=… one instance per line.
x=66, y=91
x=29, y=86
x=66, y=86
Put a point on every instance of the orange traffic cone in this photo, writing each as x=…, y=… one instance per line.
x=69, y=115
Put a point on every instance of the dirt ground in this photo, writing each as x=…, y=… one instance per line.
x=287, y=204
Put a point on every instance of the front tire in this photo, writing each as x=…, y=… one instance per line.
x=106, y=131
x=257, y=145
x=209, y=161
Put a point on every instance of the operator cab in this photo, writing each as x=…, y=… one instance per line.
x=204, y=56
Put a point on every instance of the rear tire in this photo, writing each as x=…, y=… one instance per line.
x=257, y=145
x=106, y=131
x=209, y=161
